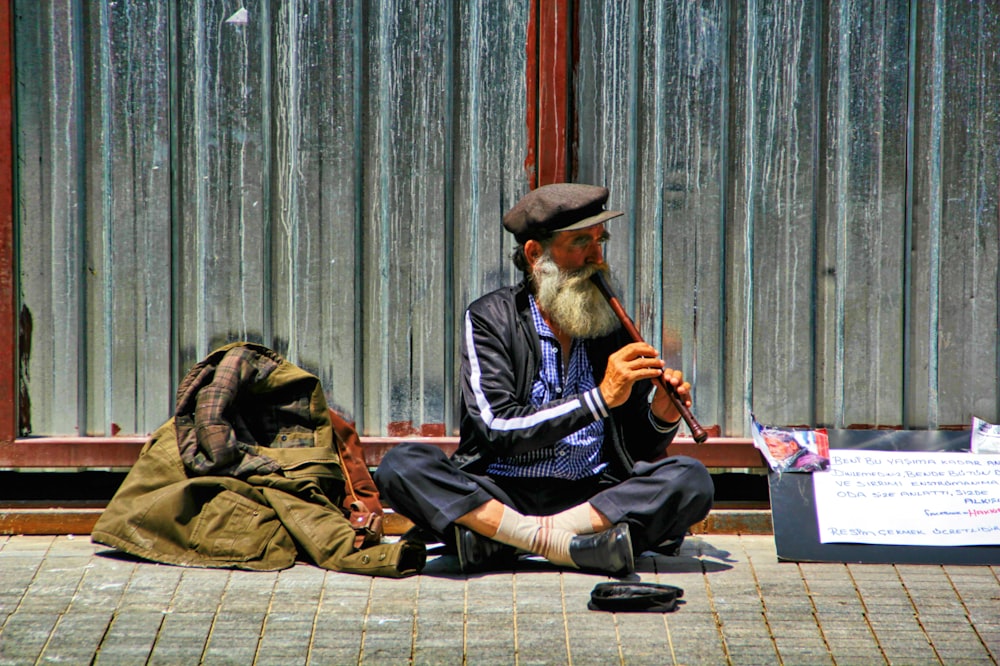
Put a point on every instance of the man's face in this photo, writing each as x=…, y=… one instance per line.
x=562, y=282
x=572, y=250
x=781, y=447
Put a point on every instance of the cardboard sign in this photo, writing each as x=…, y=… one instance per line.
x=794, y=513
x=909, y=498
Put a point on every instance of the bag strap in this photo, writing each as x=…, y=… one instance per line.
x=361, y=498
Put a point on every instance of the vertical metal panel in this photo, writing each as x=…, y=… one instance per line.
x=223, y=200
x=681, y=184
x=8, y=268
x=606, y=90
x=953, y=322
x=127, y=324
x=315, y=181
x=196, y=173
x=776, y=167
x=923, y=313
x=631, y=119
x=970, y=277
x=651, y=124
x=862, y=214
x=51, y=208
x=404, y=205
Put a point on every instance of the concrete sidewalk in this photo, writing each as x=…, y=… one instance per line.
x=63, y=599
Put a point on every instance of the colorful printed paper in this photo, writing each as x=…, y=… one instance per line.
x=985, y=436
x=788, y=450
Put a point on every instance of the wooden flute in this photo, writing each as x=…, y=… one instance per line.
x=697, y=432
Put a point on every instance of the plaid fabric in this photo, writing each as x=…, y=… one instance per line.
x=579, y=455
x=220, y=418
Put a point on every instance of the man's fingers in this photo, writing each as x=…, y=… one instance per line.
x=635, y=350
x=634, y=362
x=675, y=377
x=645, y=363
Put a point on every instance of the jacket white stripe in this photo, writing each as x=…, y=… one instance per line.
x=486, y=411
x=595, y=403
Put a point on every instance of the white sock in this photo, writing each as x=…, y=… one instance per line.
x=525, y=533
x=575, y=520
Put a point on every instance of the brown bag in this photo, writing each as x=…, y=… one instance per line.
x=361, y=498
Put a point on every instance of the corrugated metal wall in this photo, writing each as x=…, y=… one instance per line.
x=812, y=228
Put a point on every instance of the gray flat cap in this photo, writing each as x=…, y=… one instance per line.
x=558, y=207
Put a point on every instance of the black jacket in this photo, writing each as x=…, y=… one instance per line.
x=501, y=356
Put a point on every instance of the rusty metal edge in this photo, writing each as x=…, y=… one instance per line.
x=103, y=453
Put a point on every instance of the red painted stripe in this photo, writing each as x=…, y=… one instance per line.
x=554, y=79
x=531, y=96
x=550, y=62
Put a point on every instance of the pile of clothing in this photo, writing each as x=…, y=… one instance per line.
x=254, y=471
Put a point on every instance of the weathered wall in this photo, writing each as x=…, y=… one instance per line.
x=813, y=188
x=812, y=227
x=325, y=178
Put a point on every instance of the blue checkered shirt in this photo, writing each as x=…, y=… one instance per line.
x=579, y=455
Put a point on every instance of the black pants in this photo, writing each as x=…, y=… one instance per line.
x=659, y=501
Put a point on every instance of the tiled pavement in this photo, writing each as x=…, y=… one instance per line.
x=65, y=600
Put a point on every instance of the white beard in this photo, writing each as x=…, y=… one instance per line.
x=572, y=301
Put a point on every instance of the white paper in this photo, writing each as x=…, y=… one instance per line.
x=240, y=17
x=985, y=436
x=909, y=498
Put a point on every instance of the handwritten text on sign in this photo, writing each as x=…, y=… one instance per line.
x=909, y=498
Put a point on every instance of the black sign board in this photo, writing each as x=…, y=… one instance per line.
x=793, y=507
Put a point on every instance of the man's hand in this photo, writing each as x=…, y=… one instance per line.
x=663, y=407
x=631, y=363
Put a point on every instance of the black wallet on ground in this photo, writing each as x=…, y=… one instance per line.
x=621, y=597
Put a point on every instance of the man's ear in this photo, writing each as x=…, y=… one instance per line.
x=532, y=251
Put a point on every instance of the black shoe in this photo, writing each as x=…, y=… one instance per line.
x=420, y=535
x=670, y=547
x=478, y=553
x=608, y=552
